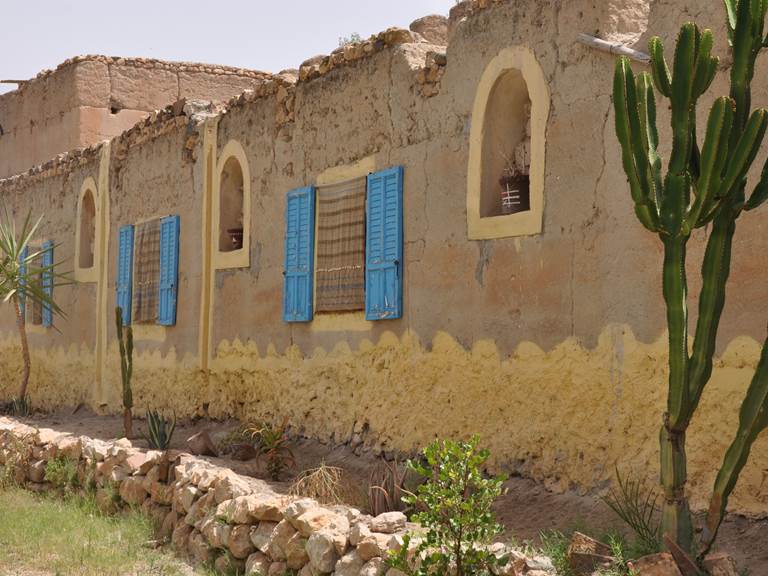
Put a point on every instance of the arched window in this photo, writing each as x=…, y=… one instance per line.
x=232, y=206
x=87, y=224
x=505, y=192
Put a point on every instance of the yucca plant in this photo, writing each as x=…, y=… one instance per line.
x=159, y=430
x=24, y=282
x=272, y=446
x=702, y=187
x=125, y=341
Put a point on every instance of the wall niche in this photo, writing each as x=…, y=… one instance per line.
x=231, y=204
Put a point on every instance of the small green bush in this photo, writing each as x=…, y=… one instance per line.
x=62, y=473
x=454, y=506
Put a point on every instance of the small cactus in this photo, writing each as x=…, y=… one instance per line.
x=125, y=340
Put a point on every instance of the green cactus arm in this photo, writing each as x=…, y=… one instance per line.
x=627, y=116
x=713, y=157
x=682, y=98
x=675, y=297
x=659, y=68
x=753, y=419
x=715, y=270
x=706, y=64
x=760, y=193
x=730, y=11
x=646, y=107
x=744, y=154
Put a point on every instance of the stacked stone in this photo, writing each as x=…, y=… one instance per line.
x=429, y=77
x=217, y=516
x=60, y=164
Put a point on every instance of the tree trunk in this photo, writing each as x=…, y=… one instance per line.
x=128, y=423
x=24, y=348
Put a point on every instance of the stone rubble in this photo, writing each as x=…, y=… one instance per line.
x=216, y=516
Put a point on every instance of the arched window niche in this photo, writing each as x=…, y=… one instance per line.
x=505, y=187
x=86, y=232
x=232, y=208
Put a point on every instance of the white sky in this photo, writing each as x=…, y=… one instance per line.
x=260, y=34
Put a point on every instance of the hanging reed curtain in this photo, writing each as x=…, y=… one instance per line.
x=340, y=241
x=146, y=278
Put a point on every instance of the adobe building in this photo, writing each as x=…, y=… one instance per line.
x=428, y=233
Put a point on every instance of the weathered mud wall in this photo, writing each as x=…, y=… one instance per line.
x=551, y=346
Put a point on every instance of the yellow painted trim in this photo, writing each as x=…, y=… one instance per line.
x=523, y=223
x=343, y=321
x=90, y=274
x=101, y=263
x=149, y=332
x=208, y=276
x=236, y=258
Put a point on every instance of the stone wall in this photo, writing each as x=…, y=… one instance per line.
x=551, y=346
x=218, y=517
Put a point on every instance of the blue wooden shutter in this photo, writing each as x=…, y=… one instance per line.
x=169, y=270
x=125, y=272
x=47, y=257
x=299, y=254
x=384, y=245
x=23, y=272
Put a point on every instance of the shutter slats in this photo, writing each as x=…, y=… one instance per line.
x=47, y=263
x=384, y=245
x=299, y=254
x=169, y=270
x=125, y=272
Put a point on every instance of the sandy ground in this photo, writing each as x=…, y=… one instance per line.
x=525, y=510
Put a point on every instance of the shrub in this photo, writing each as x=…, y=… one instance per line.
x=326, y=484
x=62, y=473
x=386, y=488
x=636, y=504
x=454, y=507
x=272, y=446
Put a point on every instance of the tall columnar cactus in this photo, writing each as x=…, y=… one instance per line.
x=125, y=340
x=702, y=186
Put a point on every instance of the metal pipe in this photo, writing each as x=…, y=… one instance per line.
x=614, y=48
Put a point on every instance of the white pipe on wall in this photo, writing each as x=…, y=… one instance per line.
x=614, y=48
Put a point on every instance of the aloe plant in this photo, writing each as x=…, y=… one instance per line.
x=702, y=186
x=125, y=341
x=159, y=430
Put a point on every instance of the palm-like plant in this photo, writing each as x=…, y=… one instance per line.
x=23, y=280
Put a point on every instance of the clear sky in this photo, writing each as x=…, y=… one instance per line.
x=260, y=34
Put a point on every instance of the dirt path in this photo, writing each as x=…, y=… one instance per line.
x=526, y=510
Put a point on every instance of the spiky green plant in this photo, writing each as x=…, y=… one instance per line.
x=24, y=281
x=125, y=341
x=159, y=430
x=702, y=186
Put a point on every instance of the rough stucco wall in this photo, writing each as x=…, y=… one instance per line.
x=552, y=347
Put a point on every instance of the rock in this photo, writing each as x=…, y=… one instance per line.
x=359, y=532
x=168, y=524
x=720, y=565
x=217, y=533
x=180, y=536
x=655, y=565
x=240, y=542
x=278, y=540
x=586, y=555
x=298, y=507
x=394, y=36
x=198, y=548
x=186, y=497
x=227, y=564
x=318, y=519
x=134, y=462
x=253, y=508
x=230, y=487
x=322, y=552
x=395, y=572
x=374, y=567
x=132, y=491
x=160, y=493
x=349, y=565
x=388, y=522
x=36, y=471
x=433, y=28
x=542, y=563
x=105, y=501
x=261, y=534
x=373, y=546
x=278, y=569
x=257, y=565
x=296, y=552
